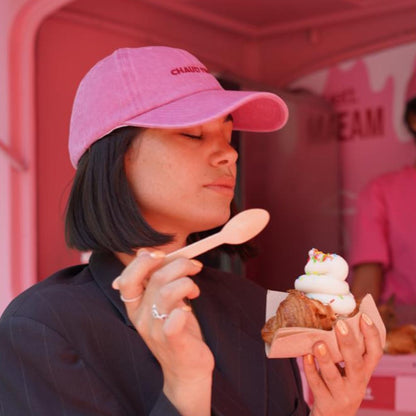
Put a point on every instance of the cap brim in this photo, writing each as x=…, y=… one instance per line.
x=251, y=111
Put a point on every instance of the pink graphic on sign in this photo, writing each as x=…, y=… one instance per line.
x=361, y=113
x=369, y=144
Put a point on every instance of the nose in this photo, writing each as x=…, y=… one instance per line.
x=224, y=155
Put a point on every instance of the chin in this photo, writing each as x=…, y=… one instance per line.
x=213, y=219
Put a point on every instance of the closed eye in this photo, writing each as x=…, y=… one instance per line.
x=192, y=136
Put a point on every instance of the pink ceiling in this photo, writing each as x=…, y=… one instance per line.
x=268, y=41
x=262, y=14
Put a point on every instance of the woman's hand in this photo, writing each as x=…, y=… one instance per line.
x=341, y=392
x=174, y=335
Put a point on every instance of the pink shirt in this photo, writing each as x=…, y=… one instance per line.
x=385, y=232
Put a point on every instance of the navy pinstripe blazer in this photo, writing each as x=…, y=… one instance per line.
x=67, y=348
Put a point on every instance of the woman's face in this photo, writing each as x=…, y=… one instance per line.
x=184, y=179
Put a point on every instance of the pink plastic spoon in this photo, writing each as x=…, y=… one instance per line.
x=239, y=229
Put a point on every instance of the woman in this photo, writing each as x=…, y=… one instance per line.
x=181, y=339
x=383, y=250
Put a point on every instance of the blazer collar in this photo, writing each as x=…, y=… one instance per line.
x=105, y=267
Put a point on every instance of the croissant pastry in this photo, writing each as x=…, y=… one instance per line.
x=300, y=311
x=401, y=340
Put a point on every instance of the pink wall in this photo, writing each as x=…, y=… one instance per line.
x=7, y=14
x=19, y=21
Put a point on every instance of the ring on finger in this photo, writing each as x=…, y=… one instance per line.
x=129, y=300
x=157, y=315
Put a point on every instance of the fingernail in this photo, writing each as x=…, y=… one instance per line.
x=196, y=262
x=157, y=254
x=115, y=283
x=141, y=252
x=322, y=349
x=342, y=327
x=367, y=319
x=309, y=358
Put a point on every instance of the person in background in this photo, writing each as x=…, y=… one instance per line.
x=131, y=333
x=383, y=245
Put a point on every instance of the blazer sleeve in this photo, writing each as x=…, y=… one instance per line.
x=42, y=374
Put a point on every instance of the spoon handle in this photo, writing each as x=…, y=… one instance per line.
x=197, y=248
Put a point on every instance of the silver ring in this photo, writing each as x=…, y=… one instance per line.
x=157, y=315
x=129, y=300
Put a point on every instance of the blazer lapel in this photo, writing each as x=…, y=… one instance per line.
x=238, y=350
x=104, y=269
x=224, y=400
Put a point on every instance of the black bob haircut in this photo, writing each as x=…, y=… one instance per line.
x=102, y=213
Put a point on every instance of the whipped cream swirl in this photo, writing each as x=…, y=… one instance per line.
x=325, y=281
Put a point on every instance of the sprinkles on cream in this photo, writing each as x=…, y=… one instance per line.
x=324, y=280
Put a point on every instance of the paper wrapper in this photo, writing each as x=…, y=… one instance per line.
x=295, y=341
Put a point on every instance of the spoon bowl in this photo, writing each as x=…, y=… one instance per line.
x=244, y=226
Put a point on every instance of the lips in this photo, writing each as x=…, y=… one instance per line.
x=224, y=185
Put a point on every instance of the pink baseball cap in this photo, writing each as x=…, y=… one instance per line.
x=161, y=87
